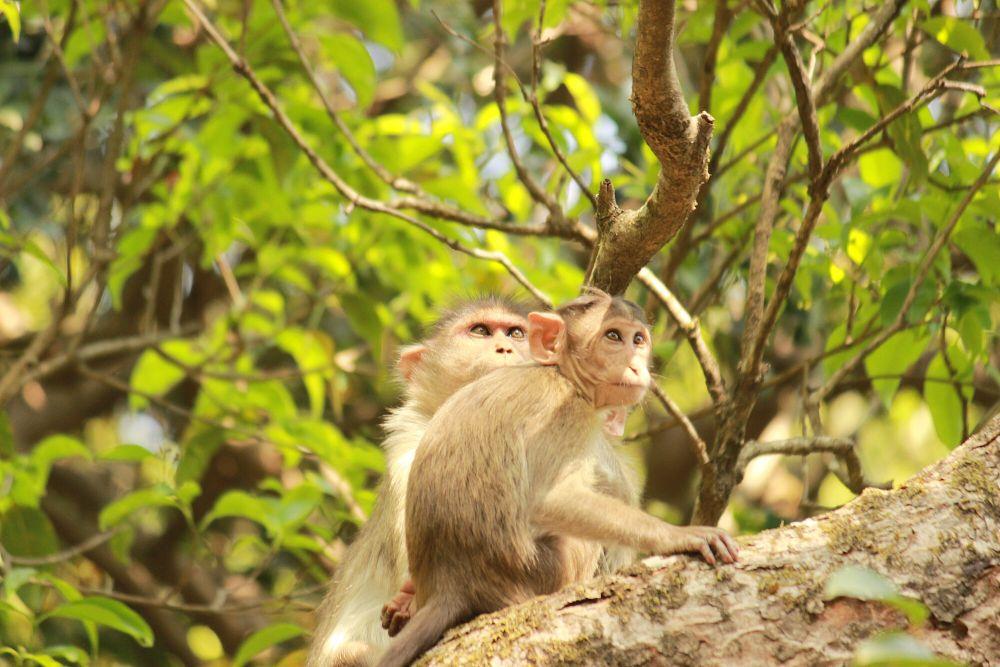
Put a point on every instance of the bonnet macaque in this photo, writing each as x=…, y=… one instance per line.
x=477, y=337
x=508, y=496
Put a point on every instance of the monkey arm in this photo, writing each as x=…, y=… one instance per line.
x=572, y=508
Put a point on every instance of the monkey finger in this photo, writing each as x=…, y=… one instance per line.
x=398, y=623
x=722, y=549
x=706, y=552
x=386, y=617
x=734, y=548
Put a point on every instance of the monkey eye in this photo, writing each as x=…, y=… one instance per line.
x=517, y=333
x=613, y=334
x=480, y=330
x=639, y=339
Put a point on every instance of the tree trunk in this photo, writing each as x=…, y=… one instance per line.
x=937, y=538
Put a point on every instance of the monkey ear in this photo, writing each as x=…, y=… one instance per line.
x=546, y=337
x=409, y=359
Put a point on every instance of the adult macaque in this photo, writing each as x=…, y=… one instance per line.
x=507, y=496
x=466, y=344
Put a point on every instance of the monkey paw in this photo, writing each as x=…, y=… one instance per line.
x=397, y=612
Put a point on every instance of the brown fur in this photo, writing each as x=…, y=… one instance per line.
x=514, y=487
x=349, y=633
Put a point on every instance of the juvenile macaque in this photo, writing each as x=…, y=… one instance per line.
x=507, y=497
x=467, y=343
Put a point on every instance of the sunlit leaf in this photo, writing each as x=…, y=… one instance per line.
x=896, y=649
x=264, y=639
x=944, y=402
x=957, y=34
x=107, y=612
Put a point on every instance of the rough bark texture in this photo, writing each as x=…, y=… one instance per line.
x=937, y=537
x=628, y=239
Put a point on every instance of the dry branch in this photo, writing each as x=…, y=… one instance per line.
x=937, y=538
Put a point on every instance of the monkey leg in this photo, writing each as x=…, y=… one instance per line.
x=563, y=560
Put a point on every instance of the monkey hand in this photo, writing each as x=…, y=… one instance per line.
x=708, y=541
x=396, y=613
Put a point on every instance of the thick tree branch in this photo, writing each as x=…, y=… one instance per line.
x=680, y=144
x=937, y=538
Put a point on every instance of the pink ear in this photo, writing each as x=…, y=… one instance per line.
x=409, y=359
x=546, y=337
x=614, y=422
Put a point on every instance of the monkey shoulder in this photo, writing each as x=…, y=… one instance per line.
x=521, y=391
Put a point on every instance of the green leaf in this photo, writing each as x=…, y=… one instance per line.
x=859, y=582
x=6, y=437
x=894, y=357
x=131, y=453
x=981, y=242
x=65, y=653
x=35, y=251
x=586, y=101
x=264, y=639
x=11, y=12
x=153, y=375
x=114, y=513
x=896, y=649
x=241, y=504
x=864, y=584
x=354, y=64
x=57, y=447
x=196, y=452
x=378, y=19
x=26, y=531
x=109, y=613
x=958, y=35
x=944, y=403
x=131, y=252
x=312, y=352
x=880, y=168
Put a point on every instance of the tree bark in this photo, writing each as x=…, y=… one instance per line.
x=937, y=537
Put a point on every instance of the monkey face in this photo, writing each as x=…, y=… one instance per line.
x=491, y=338
x=600, y=344
x=464, y=350
x=619, y=358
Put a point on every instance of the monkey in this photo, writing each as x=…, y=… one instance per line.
x=468, y=342
x=506, y=489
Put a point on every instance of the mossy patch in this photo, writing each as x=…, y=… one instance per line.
x=972, y=476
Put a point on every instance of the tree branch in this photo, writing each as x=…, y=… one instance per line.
x=937, y=538
x=680, y=144
x=691, y=329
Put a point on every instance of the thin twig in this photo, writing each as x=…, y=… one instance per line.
x=691, y=328
x=700, y=448
x=500, y=97
x=67, y=554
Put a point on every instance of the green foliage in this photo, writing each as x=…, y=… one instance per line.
x=197, y=266
x=889, y=648
x=106, y=612
x=265, y=639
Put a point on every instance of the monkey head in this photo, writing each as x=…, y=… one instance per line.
x=600, y=343
x=467, y=343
